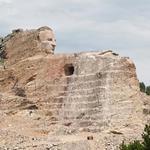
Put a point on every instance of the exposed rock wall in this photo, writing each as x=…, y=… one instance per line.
x=58, y=101
x=95, y=98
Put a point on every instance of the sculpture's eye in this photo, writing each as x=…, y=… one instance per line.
x=38, y=37
x=49, y=39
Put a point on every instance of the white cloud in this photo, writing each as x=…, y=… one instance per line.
x=5, y=1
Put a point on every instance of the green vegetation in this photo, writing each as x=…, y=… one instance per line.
x=137, y=145
x=144, y=88
x=148, y=90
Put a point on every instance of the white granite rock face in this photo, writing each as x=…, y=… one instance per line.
x=99, y=93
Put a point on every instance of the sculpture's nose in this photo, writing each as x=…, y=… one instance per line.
x=54, y=43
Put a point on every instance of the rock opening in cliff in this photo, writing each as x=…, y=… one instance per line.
x=69, y=69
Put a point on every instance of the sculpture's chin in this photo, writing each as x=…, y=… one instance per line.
x=53, y=48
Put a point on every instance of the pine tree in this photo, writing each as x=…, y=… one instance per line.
x=142, y=87
x=146, y=138
x=148, y=90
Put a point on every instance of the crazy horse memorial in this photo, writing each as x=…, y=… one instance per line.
x=79, y=101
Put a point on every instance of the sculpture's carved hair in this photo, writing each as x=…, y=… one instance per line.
x=44, y=28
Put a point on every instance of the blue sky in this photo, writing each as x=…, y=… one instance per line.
x=82, y=25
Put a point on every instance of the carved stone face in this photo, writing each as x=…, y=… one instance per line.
x=48, y=41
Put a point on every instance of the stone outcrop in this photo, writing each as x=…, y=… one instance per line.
x=23, y=44
x=84, y=101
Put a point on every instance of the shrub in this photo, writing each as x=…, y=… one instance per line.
x=137, y=145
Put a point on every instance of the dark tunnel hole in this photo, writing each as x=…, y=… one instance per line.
x=69, y=69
